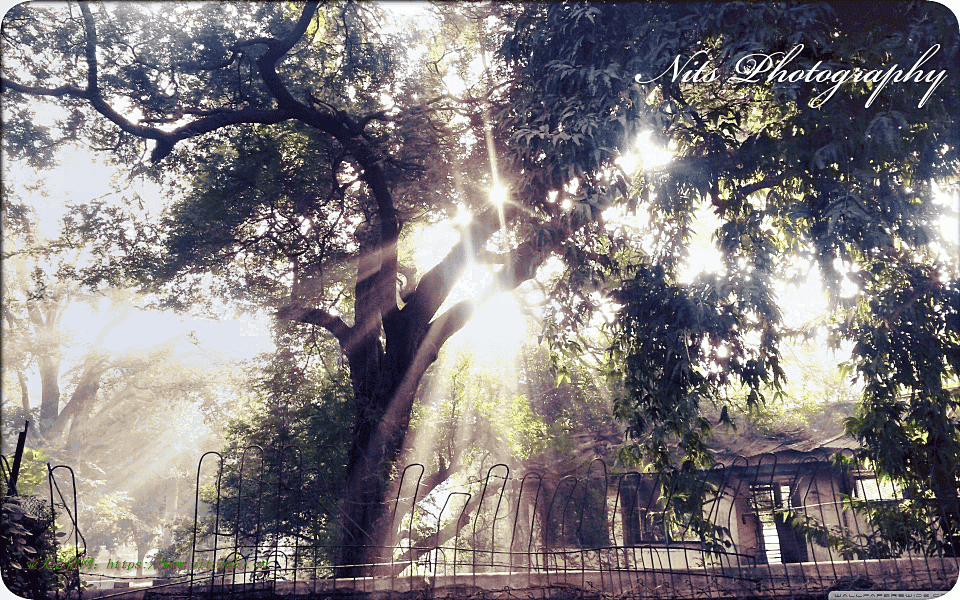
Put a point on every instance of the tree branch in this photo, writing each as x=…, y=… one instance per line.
x=349, y=133
x=438, y=539
x=319, y=317
x=768, y=181
x=448, y=324
x=165, y=140
x=276, y=50
x=435, y=285
x=66, y=90
x=92, y=93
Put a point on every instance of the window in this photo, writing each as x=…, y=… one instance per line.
x=868, y=487
x=781, y=543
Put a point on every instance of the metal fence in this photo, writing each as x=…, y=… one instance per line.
x=770, y=525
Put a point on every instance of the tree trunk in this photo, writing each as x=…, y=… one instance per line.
x=49, y=389
x=77, y=409
x=143, y=547
x=45, y=317
x=385, y=380
x=384, y=399
x=630, y=510
x=24, y=392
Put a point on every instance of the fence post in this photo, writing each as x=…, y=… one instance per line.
x=17, y=457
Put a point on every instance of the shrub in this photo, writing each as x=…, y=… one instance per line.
x=27, y=547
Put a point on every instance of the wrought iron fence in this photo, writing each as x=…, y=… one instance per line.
x=64, y=516
x=769, y=525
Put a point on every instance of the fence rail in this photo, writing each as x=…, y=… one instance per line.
x=766, y=526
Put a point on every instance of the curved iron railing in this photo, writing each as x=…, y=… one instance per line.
x=767, y=525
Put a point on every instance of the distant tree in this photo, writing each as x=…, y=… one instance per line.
x=33, y=306
x=37, y=291
x=83, y=417
x=284, y=459
x=117, y=519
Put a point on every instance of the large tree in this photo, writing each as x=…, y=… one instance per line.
x=308, y=148
x=283, y=203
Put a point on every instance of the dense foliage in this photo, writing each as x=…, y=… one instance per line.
x=32, y=562
x=845, y=183
x=26, y=537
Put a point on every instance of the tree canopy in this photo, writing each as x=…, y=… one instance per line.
x=305, y=143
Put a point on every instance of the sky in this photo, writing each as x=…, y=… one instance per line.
x=236, y=337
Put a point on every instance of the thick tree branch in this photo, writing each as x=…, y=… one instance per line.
x=211, y=121
x=348, y=133
x=448, y=324
x=768, y=181
x=298, y=31
x=436, y=284
x=523, y=263
x=319, y=317
x=276, y=50
x=66, y=90
x=526, y=260
x=93, y=94
x=165, y=140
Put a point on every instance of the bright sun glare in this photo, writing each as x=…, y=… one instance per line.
x=498, y=195
x=498, y=326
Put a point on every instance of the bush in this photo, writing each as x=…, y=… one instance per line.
x=27, y=546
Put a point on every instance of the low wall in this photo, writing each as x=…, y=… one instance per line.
x=764, y=581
